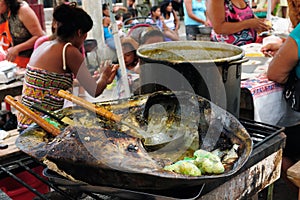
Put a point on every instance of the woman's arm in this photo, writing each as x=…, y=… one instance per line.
x=77, y=65
x=216, y=14
x=189, y=9
x=176, y=20
x=32, y=24
x=284, y=61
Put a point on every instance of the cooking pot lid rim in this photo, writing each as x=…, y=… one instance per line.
x=236, y=57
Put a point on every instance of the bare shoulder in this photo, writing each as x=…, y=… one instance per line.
x=26, y=11
x=73, y=52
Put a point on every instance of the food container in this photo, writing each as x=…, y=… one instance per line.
x=205, y=30
x=209, y=69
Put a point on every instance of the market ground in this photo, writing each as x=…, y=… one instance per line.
x=281, y=190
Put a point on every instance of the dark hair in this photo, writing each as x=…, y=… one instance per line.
x=70, y=19
x=104, y=6
x=150, y=33
x=153, y=9
x=163, y=8
x=126, y=17
x=13, y=6
x=132, y=11
x=118, y=16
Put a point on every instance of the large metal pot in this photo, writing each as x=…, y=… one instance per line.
x=209, y=69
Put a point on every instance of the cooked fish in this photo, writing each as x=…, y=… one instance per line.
x=101, y=152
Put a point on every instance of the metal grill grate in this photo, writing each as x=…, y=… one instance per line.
x=260, y=132
x=26, y=164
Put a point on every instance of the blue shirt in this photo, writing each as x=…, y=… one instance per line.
x=295, y=34
x=199, y=10
x=107, y=33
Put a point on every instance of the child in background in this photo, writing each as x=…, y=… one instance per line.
x=171, y=18
x=129, y=47
x=131, y=6
x=108, y=36
x=119, y=21
x=151, y=35
x=158, y=19
x=131, y=60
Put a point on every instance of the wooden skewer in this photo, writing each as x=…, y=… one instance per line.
x=35, y=117
x=101, y=111
x=90, y=106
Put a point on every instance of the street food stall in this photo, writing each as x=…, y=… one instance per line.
x=125, y=166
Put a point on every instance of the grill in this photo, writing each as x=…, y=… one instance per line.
x=265, y=138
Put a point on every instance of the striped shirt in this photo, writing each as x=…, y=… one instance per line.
x=41, y=86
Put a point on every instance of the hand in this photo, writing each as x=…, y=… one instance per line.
x=12, y=53
x=108, y=71
x=114, y=70
x=206, y=23
x=269, y=50
x=259, y=25
x=96, y=75
x=161, y=18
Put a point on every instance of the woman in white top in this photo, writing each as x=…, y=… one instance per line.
x=170, y=17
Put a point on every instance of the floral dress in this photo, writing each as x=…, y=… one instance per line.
x=235, y=14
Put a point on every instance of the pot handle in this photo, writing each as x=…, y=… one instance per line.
x=238, y=69
x=238, y=61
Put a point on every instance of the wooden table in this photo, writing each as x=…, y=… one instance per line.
x=13, y=89
x=12, y=151
x=293, y=174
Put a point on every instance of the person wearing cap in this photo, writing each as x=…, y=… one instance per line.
x=129, y=47
x=151, y=35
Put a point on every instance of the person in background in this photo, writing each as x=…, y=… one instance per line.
x=151, y=35
x=283, y=8
x=286, y=55
x=131, y=7
x=286, y=58
x=54, y=64
x=46, y=38
x=170, y=17
x=294, y=7
x=131, y=59
x=158, y=19
x=129, y=47
x=119, y=21
x=108, y=36
x=234, y=22
x=20, y=29
x=107, y=29
x=128, y=18
x=119, y=17
x=194, y=16
x=262, y=7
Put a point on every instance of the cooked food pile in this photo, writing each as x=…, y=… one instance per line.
x=205, y=162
